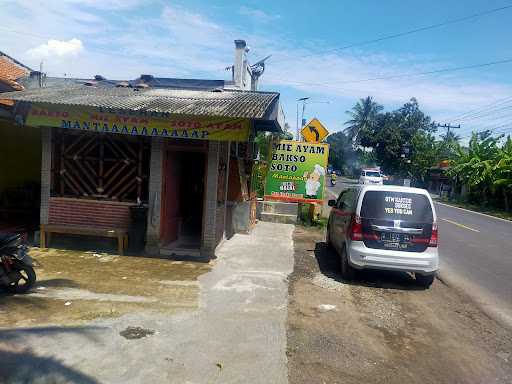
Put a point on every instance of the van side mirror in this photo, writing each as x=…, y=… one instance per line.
x=331, y=203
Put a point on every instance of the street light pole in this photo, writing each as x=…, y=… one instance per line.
x=302, y=122
x=303, y=99
x=304, y=108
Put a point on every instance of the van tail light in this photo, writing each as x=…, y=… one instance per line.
x=434, y=237
x=356, y=229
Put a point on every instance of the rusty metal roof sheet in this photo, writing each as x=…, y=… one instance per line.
x=219, y=102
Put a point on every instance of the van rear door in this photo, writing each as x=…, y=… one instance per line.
x=396, y=220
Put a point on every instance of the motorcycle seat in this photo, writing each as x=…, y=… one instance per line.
x=6, y=238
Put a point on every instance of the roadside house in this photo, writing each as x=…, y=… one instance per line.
x=179, y=147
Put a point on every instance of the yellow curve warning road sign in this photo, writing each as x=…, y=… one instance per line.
x=314, y=131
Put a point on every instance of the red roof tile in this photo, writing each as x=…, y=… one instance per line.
x=10, y=70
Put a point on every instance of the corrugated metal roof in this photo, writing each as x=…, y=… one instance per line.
x=228, y=103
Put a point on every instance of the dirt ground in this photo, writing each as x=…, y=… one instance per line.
x=382, y=328
x=75, y=287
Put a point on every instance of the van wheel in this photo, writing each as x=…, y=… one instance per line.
x=347, y=271
x=424, y=281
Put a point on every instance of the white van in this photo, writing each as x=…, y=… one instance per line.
x=371, y=176
x=385, y=227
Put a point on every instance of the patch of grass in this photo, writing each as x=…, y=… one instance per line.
x=306, y=218
x=321, y=222
x=477, y=208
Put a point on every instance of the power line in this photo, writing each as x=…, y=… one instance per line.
x=332, y=84
x=480, y=109
x=400, y=34
x=442, y=70
x=431, y=72
x=448, y=127
x=496, y=129
x=487, y=114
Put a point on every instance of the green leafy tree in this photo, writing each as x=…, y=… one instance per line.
x=394, y=131
x=425, y=155
x=341, y=155
x=448, y=146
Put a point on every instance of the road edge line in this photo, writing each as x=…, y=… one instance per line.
x=475, y=212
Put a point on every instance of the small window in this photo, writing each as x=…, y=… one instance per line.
x=373, y=174
x=340, y=199
x=346, y=200
x=363, y=174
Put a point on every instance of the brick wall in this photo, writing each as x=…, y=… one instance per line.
x=100, y=214
x=46, y=168
x=210, y=211
x=223, y=189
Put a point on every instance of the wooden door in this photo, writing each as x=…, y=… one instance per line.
x=170, y=221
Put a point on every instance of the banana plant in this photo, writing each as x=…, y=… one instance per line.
x=503, y=172
x=475, y=165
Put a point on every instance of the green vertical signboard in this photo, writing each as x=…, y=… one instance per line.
x=296, y=172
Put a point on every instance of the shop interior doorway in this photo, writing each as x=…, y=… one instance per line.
x=183, y=199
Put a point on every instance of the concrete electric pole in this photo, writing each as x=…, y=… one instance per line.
x=448, y=127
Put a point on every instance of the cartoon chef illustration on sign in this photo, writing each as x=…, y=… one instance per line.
x=313, y=181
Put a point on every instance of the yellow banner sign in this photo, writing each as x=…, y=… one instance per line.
x=140, y=123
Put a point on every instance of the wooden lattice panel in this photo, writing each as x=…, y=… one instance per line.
x=100, y=166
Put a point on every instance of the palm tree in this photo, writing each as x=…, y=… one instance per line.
x=450, y=137
x=448, y=145
x=363, y=117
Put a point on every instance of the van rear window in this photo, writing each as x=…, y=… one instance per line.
x=396, y=206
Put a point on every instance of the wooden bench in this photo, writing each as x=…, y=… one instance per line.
x=120, y=234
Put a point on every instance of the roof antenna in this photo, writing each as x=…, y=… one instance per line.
x=257, y=70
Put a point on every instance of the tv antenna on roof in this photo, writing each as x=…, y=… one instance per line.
x=257, y=70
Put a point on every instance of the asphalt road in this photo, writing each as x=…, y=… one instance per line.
x=381, y=328
x=475, y=254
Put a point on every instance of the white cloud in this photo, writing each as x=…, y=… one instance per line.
x=179, y=41
x=258, y=14
x=339, y=76
x=57, y=48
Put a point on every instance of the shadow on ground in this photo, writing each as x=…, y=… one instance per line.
x=329, y=264
x=20, y=366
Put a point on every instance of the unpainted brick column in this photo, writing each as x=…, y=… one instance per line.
x=46, y=177
x=210, y=211
x=155, y=195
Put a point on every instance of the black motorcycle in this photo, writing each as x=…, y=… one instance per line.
x=16, y=272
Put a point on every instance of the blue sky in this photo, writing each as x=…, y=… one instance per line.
x=124, y=38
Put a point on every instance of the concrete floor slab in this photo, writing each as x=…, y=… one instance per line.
x=236, y=335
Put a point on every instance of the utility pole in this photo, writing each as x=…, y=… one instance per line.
x=448, y=127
